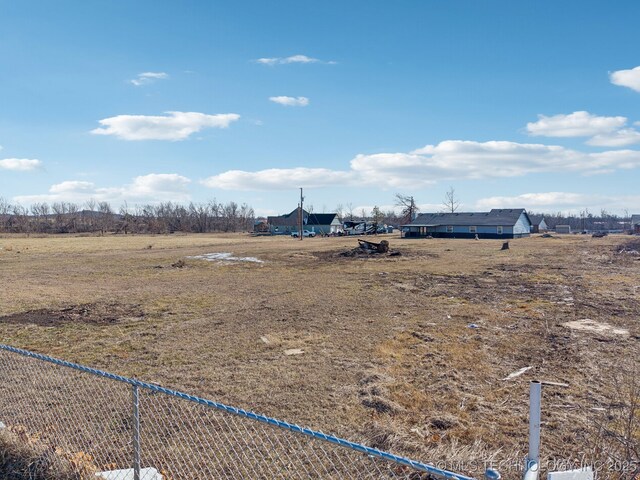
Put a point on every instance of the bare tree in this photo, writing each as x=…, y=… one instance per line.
x=230, y=215
x=106, y=216
x=409, y=207
x=40, y=213
x=72, y=214
x=377, y=215
x=247, y=217
x=391, y=218
x=125, y=218
x=450, y=202
x=350, y=211
x=5, y=206
x=200, y=217
x=5, y=209
x=88, y=214
x=59, y=209
x=20, y=217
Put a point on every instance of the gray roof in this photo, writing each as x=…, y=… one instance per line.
x=287, y=220
x=536, y=219
x=635, y=219
x=321, y=218
x=291, y=219
x=497, y=216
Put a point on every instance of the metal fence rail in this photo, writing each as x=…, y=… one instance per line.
x=114, y=423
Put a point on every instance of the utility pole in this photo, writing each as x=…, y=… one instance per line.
x=300, y=216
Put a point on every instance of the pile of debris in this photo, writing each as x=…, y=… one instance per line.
x=629, y=248
x=366, y=248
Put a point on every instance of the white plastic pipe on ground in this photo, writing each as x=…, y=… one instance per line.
x=533, y=459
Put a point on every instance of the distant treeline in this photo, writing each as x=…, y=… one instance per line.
x=100, y=217
x=587, y=221
x=169, y=217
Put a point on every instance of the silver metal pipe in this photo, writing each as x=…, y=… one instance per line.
x=136, y=432
x=535, y=395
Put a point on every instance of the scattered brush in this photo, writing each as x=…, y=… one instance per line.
x=22, y=458
x=632, y=247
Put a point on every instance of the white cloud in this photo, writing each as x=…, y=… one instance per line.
x=72, y=186
x=151, y=188
x=612, y=160
x=449, y=160
x=291, y=101
x=475, y=160
x=292, y=59
x=20, y=164
x=393, y=170
x=146, y=78
x=174, y=126
x=621, y=138
x=277, y=178
x=627, y=78
x=158, y=185
x=536, y=201
x=576, y=124
x=566, y=202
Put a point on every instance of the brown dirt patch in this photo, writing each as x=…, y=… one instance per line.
x=96, y=314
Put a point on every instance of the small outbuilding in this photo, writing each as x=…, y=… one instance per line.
x=497, y=223
x=538, y=224
x=563, y=229
x=635, y=223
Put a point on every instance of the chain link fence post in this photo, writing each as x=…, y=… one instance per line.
x=136, y=432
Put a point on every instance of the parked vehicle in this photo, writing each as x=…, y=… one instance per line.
x=305, y=233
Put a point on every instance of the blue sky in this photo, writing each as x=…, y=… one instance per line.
x=513, y=104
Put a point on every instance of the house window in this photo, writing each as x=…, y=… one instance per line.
x=473, y=229
x=449, y=228
x=499, y=230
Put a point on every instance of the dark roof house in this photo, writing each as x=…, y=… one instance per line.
x=538, y=224
x=285, y=224
x=320, y=223
x=324, y=223
x=497, y=223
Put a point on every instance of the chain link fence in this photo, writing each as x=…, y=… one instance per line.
x=132, y=430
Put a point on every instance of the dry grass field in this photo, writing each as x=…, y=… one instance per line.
x=407, y=353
